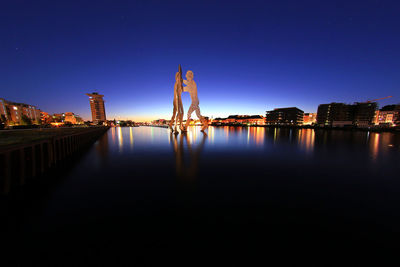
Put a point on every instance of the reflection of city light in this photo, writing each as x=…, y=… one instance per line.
x=120, y=140
x=211, y=133
x=194, y=134
x=226, y=131
x=375, y=146
x=57, y=124
x=260, y=132
x=299, y=136
x=190, y=134
x=307, y=139
x=131, y=137
x=113, y=134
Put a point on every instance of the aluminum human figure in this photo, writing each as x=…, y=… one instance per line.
x=191, y=87
x=177, y=114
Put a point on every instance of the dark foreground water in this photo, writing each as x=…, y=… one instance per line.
x=145, y=196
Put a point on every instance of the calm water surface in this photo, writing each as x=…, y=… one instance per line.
x=231, y=189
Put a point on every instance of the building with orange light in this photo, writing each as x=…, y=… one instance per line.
x=309, y=118
x=160, y=122
x=240, y=120
x=385, y=118
x=70, y=117
x=45, y=118
x=97, y=108
x=14, y=112
x=388, y=116
x=67, y=117
x=58, y=117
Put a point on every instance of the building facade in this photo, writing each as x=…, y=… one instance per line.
x=335, y=113
x=61, y=118
x=309, y=118
x=364, y=114
x=284, y=116
x=45, y=118
x=70, y=117
x=14, y=113
x=340, y=114
x=240, y=119
x=388, y=116
x=97, y=108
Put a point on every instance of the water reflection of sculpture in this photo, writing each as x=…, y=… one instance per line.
x=186, y=164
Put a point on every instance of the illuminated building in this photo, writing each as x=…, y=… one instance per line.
x=388, y=116
x=217, y=121
x=14, y=112
x=160, y=122
x=97, y=108
x=72, y=118
x=364, y=114
x=250, y=120
x=45, y=118
x=58, y=117
x=335, y=114
x=340, y=114
x=67, y=117
x=309, y=118
x=239, y=119
x=284, y=116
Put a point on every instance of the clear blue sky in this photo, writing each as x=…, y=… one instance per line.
x=247, y=56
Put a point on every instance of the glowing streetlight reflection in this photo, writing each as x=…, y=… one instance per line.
x=120, y=139
x=131, y=137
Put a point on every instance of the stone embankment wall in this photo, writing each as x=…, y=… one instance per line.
x=20, y=162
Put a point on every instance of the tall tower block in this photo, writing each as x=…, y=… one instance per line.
x=97, y=108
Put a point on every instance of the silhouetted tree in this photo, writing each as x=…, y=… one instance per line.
x=3, y=118
x=3, y=121
x=25, y=120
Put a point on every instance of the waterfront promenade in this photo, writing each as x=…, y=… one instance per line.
x=26, y=154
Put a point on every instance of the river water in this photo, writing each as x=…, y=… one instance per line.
x=233, y=189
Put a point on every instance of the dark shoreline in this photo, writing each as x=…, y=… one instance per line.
x=34, y=153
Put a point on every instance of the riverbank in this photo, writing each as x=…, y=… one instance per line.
x=26, y=154
x=25, y=136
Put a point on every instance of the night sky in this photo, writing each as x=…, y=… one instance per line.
x=247, y=56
